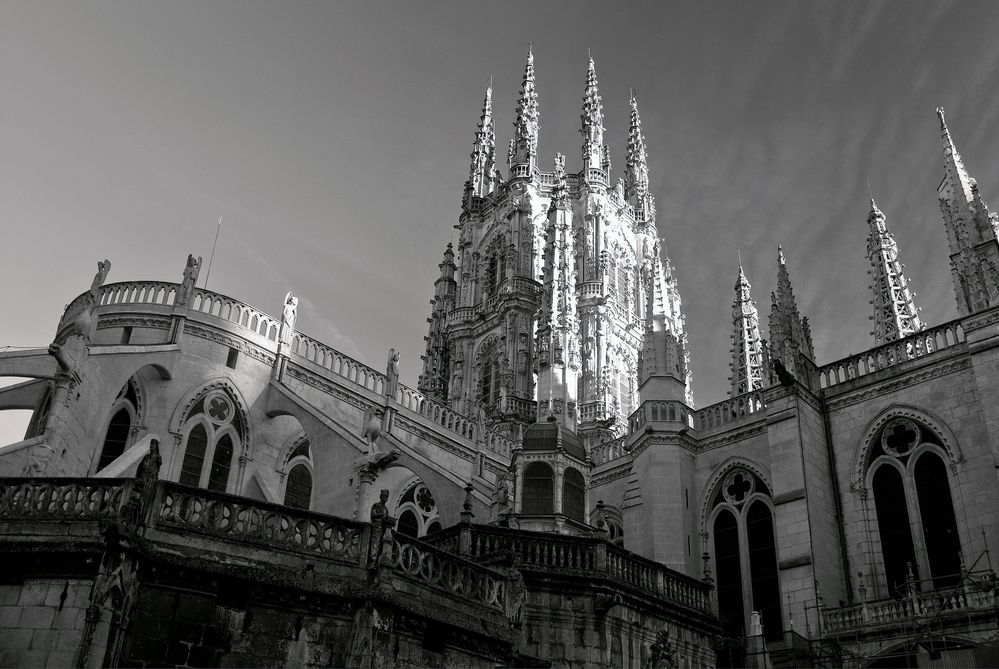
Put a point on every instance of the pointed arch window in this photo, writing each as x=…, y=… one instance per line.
x=213, y=441
x=417, y=511
x=118, y=434
x=914, y=508
x=298, y=486
x=745, y=553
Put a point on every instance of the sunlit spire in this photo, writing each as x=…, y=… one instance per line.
x=593, y=121
x=895, y=313
x=527, y=126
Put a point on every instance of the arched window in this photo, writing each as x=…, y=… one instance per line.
x=907, y=474
x=489, y=374
x=298, y=488
x=573, y=494
x=745, y=552
x=118, y=435
x=538, y=489
x=298, y=493
x=417, y=511
x=213, y=441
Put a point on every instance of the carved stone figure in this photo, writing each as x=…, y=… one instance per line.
x=381, y=522
x=191, y=271
x=516, y=596
x=288, y=317
x=102, y=274
x=392, y=373
x=148, y=470
x=372, y=430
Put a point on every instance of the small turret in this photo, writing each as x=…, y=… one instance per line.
x=433, y=382
x=895, y=313
x=662, y=363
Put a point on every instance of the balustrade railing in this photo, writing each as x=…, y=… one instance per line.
x=730, y=410
x=62, y=498
x=245, y=520
x=344, y=366
x=659, y=412
x=586, y=556
x=963, y=600
x=460, y=315
x=451, y=420
x=451, y=573
x=914, y=346
x=589, y=411
x=590, y=289
x=608, y=451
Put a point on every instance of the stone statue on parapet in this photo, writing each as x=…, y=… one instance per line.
x=191, y=271
x=102, y=274
x=392, y=373
x=144, y=486
x=785, y=377
x=288, y=317
x=516, y=596
x=148, y=470
x=381, y=525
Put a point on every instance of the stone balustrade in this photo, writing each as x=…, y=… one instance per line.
x=919, y=345
x=440, y=569
x=62, y=498
x=243, y=520
x=343, y=366
x=659, y=412
x=730, y=410
x=585, y=556
x=590, y=289
x=976, y=597
x=608, y=451
x=460, y=315
x=591, y=411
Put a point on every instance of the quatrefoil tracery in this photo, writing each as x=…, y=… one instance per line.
x=900, y=436
x=738, y=486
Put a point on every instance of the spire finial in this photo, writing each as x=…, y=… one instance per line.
x=780, y=255
x=739, y=253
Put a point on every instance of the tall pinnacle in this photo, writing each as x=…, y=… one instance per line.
x=636, y=179
x=790, y=336
x=482, y=174
x=956, y=179
x=593, y=122
x=972, y=233
x=895, y=314
x=747, y=345
x=526, y=126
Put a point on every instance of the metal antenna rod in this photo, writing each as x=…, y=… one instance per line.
x=212, y=256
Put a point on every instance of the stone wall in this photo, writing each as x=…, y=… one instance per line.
x=42, y=621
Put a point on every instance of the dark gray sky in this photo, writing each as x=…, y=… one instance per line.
x=333, y=138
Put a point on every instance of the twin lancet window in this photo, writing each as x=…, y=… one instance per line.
x=915, y=512
x=539, y=491
x=213, y=441
x=124, y=415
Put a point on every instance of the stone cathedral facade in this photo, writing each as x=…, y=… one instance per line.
x=203, y=484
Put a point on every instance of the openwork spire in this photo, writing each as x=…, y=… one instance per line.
x=895, y=313
x=972, y=232
x=433, y=381
x=790, y=335
x=636, y=177
x=482, y=174
x=593, y=122
x=747, y=345
x=526, y=126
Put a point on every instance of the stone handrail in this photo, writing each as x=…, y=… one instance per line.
x=960, y=600
x=451, y=420
x=236, y=312
x=730, y=410
x=657, y=579
x=581, y=555
x=453, y=574
x=244, y=520
x=460, y=315
x=589, y=289
x=914, y=346
x=62, y=498
x=315, y=351
x=609, y=450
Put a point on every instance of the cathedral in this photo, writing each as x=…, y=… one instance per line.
x=202, y=484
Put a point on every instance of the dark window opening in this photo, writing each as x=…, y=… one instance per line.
x=298, y=493
x=302, y=450
x=408, y=523
x=194, y=456
x=936, y=508
x=730, y=604
x=218, y=477
x=230, y=361
x=573, y=495
x=893, y=525
x=116, y=438
x=763, y=569
x=126, y=334
x=538, y=489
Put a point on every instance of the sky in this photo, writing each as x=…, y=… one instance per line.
x=333, y=138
